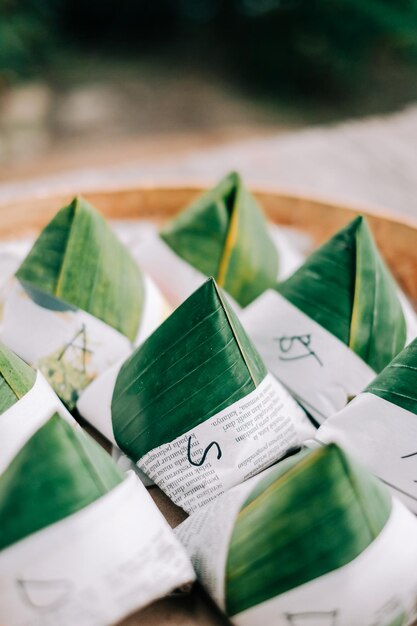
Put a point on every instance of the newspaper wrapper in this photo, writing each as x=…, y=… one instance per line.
x=26, y=416
x=70, y=347
x=377, y=588
x=320, y=371
x=228, y=448
x=177, y=279
x=94, y=567
x=383, y=437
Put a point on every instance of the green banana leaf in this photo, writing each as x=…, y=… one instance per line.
x=16, y=378
x=78, y=261
x=314, y=513
x=397, y=383
x=224, y=234
x=346, y=287
x=59, y=471
x=198, y=362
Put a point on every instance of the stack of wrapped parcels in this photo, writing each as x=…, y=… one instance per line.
x=271, y=397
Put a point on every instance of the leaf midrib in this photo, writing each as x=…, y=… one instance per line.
x=61, y=272
x=239, y=345
x=231, y=237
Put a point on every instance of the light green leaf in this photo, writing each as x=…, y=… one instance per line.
x=346, y=287
x=198, y=362
x=314, y=513
x=77, y=260
x=397, y=383
x=16, y=378
x=378, y=330
x=59, y=471
x=224, y=234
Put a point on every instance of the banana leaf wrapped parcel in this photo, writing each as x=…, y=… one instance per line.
x=314, y=541
x=85, y=297
x=379, y=426
x=194, y=406
x=26, y=402
x=327, y=330
x=224, y=234
x=80, y=542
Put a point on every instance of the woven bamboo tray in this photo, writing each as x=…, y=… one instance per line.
x=397, y=239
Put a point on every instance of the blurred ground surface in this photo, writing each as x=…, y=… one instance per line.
x=370, y=162
x=97, y=108
x=100, y=127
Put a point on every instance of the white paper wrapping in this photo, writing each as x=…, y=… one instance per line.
x=289, y=257
x=94, y=567
x=155, y=310
x=11, y=255
x=26, y=416
x=383, y=437
x=176, y=278
x=94, y=403
x=372, y=590
x=318, y=369
x=73, y=346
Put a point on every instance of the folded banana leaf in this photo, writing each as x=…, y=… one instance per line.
x=194, y=405
x=79, y=538
x=85, y=297
x=311, y=515
x=59, y=471
x=284, y=540
x=16, y=378
x=224, y=234
x=198, y=362
x=77, y=261
x=346, y=287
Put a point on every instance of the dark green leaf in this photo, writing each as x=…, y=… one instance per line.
x=198, y=362
x=224, y=234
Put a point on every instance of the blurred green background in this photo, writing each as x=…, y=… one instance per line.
x=77, y=72
x=318, y=48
